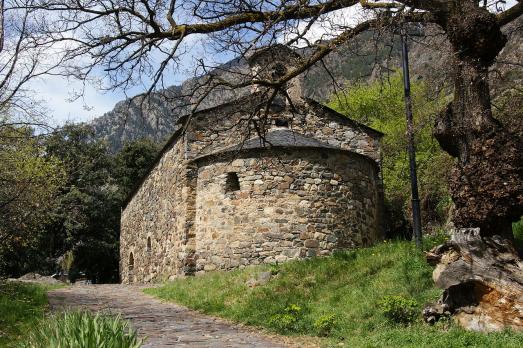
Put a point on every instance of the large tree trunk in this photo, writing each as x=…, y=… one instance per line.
x=479, y=270
x=486, y=182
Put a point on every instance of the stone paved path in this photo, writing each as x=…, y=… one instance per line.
x=164, y=324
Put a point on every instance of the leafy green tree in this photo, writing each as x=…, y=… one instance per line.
x=85, y=220
x=60, y=200
x=132, y=163
x=29, y=182
x=380, y=105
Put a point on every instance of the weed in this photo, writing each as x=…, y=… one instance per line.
x=325, y=324
x=348, y=285
x=22, y=305
x=288, y=320
x=399, y=309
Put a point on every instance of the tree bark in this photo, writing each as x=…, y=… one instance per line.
x=479, y=269
x=483, y=282
x=486, y=182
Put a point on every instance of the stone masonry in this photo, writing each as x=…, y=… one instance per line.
x=220, y=198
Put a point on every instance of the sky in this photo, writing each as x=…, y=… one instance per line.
x=61, y=96
x=58, y=92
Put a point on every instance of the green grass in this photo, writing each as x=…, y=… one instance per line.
x=83, y=330
x=22, y=305
x=347, y=287
x=24, y=323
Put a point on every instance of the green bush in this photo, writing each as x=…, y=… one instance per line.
x=399, y=309
x=283, y=322
x=85, y=330
x=288, y=321
x=325, y=324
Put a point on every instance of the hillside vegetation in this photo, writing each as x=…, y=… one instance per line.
x=381, y=105
x=68, y=217
x=339, y=299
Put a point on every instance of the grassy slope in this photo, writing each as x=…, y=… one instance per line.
x=348, y=285
x=21, y=306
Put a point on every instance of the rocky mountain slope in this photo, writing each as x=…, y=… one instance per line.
x=371, y=56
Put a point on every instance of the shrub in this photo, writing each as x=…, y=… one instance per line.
x=325, y=324
x=283, y=322
x=399, y=309
x=517, y=230
x=83, y=329
x=294, y=310
x=288, y=321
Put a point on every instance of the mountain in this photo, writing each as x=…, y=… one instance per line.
x=371, y=56
x=155, y=116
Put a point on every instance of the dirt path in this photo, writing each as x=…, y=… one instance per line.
x=164, y=324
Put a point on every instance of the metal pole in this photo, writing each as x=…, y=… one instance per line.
x=416, y=211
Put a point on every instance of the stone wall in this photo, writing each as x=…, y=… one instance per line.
x=226, y=126
x=328, y=126
x=157, y=212
x=291, y=203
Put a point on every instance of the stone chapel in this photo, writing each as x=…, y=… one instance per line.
x=217, y=198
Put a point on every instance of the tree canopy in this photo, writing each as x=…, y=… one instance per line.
x=30, y=180
x=61, y=197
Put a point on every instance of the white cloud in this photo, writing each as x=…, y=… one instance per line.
x=328, y=26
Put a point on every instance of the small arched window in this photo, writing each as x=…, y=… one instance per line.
x=131, y=261
x=149, y=246
x=232, y=183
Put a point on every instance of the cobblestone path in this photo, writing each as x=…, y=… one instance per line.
x=164, y=324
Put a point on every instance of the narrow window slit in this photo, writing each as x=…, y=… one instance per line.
x=131, y=261
x=232, y=183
